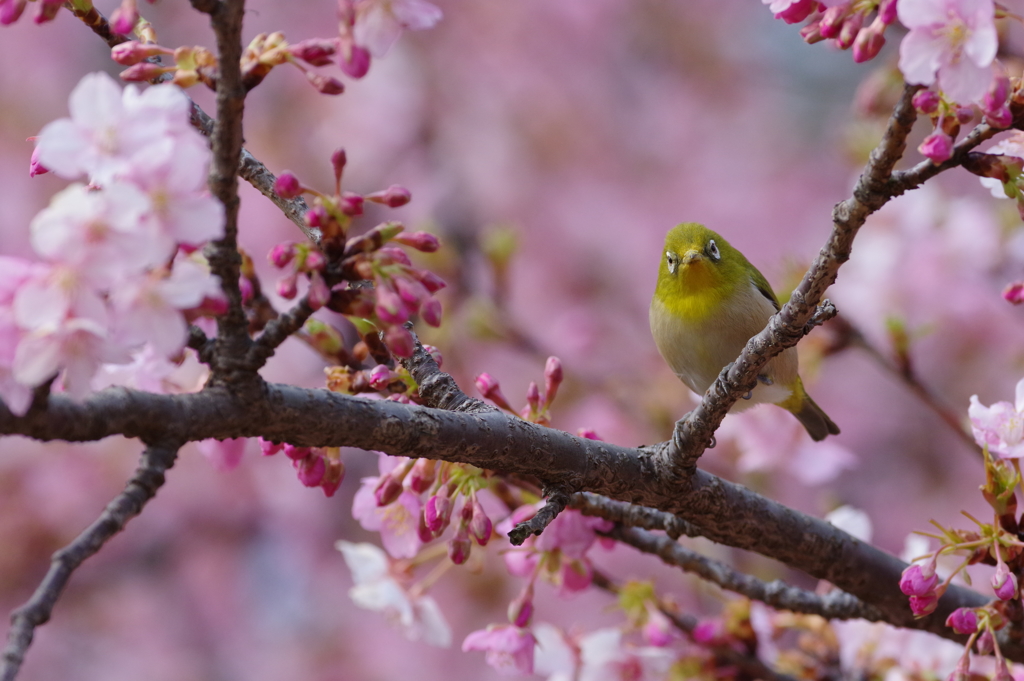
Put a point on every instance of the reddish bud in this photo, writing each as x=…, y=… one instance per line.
x=924, y=605
x=287, y=287
x=351, y=204
x=422, y=531
x=316, y=216
x=658, y=630
x=47, y=11
x=124, y=18
x=552, y=379
x=588, y=434
x=421, y=241
x=389, y=488
x=338, y=160
x=917, y=581
x=399, y=341
x=318, y=293
x=868, y=43
x=832, y=21
x=325, y=85
x=430, y=311
x=435, y=353
x=480, y=525
x=356, y=63
x=311, y=470
x=314, y=262
x=520, y=610
x=314, y=51
x=926, y=101
x=297, y=453
x=437, y=512
x=1004, y=583
x=422, y=475
x=282, y=254
x=999, y=118
x=333, y=476
x=392, y=197
x=576, y=575
x=851, y=27
x=460, y=546
x=391, y=254
x=34, y=166
x=964, y=114
x=489, y=388
x=431, y=281
x=811, y=33
x=887, y=11
x=985, y=644
x=937, y=147
x=10, y=11
x=380, y=376
x=268, y=448
x=963, y=621
x=410, y=290
x=533, y=396
x=144, y=71
x=133, y=52
x=1014, y=293
x=287, y=186
x=390, y=308
x=798, y=11
x=245, y=288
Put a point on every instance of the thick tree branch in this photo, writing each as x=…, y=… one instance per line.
x=777, y=594
x=725, y=512
x=143, y=485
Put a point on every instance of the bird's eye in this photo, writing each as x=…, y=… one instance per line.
x=673, y=261
x=712, y=251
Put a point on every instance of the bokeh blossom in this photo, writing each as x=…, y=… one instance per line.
x=1000, y=427
x=951, y=42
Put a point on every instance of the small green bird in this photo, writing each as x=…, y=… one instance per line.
x=708, y=303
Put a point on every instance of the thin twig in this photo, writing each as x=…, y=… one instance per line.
x=779, y=595
x=555, y=503
x=143, y=485
x=632, y=515
x=277, y=331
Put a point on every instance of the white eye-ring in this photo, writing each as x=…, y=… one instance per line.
x=713, y=251
x=673, y=261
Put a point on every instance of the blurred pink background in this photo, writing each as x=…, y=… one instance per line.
x=586, y=128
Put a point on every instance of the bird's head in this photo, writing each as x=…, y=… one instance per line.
x=695, y=258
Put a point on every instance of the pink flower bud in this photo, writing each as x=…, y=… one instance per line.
x=268, y=448
x=1002, y=671
x=924, y=605
x=1014, y=293
x=351, y=204
x=311, y=470
x=333, y=476
x=34, y=166
x=392, y=197
x=282, y=254
x=338, y=160
x=357, y=63
x=1004, y=583
x=325, y=85
x=460, y=546
x=848, y=33
x=480, y=526
x=868, y=43
x=576, y=575
x=491, y=390
x=133, y=52
x=963, y=621
x=316, y=216
x=833, y=19
x=999, y=118
x=437, y=512
x=47, y=11
x=314, y=51
x=811, y=33
x=287, y=287
x=245, y=288
x=588, y=434
x=430, y=310
x=287, y=186
x=964, y=114
x=431, y=281
x=315, y=262
x=962, y=671
x=390, y=308
x=552, y=379
x=393, y=254
x=708, y=632
x=380, y=377
x=887, y=11
x=144, y=71
x=410, y=290
x=533, y=396
x=10, y=11
x=798, y=11
x=938, y=147
x=918, y=582
x=422, y=531
x=435, y=353
x=319, y=293
x=124, y=18
x=421, y=241
x=399, y=341
x=520, y=610
x=658, y=630
x=422, y=475
x=985, y=643
x=389, y=488
x=926, y=101
x=296, y=453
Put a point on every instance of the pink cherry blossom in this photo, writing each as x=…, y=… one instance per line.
x=572, y=532
x=509, y=649
x=1001, y=426
x=416, y=615
x=1009, y=146
x=223, y=455
x=396, y=522
x=380, y=22
x=951, y=42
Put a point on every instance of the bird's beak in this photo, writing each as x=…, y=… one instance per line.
x=692, y=255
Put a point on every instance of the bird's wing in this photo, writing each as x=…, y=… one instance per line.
x=765, y=288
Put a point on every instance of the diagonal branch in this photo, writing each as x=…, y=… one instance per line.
x=143, y=485
x=777, y=594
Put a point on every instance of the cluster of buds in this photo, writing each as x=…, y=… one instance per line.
x=191, y=64
x=397, y=384
x=844, y=22
x=991, y=544
x=315, y=466
x=400, y=290
x=269, y=50
x=947, y=117
x=537, y=409
x=11, y=10
x=301, y=258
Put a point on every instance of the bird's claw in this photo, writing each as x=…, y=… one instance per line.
x=712, y=443
x=750, y=393
x=766, y=379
